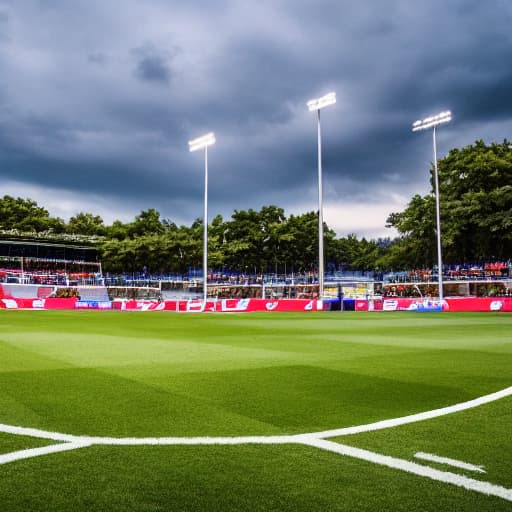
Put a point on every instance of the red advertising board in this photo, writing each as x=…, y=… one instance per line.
x=451, y=304
x=503, y=304
x=220, y=306
x=480, y=304
x=53, y=303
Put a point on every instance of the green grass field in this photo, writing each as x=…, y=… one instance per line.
x=141, y=375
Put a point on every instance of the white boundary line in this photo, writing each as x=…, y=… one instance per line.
x=449, y=462
x=417, y=417
x=416, y=469
x=314, y=439
x=277, y=439
x=36, y=452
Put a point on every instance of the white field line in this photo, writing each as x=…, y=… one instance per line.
x=404, y=420
x=277, y=439
x=414, y=468
x=138, y=441
x=35, y=432
x=36, y=452
x=449, y=462
x=314, y=439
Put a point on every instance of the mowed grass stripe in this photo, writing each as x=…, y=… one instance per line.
x=480, y=436
x=215, y=478
x=163, y=374
x=85, y=401
x=93, y=350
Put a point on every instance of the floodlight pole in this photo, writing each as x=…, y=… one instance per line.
x=205, y=228
x=433, y=122
x=438, y=221
x=320, y=214
x=203, y=143
x=318, y=104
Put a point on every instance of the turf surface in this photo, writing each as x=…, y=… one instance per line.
x=479, y=436
x=236, y=478
x=157, y=374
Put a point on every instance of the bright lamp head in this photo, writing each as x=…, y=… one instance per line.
x=324, y=101
x=430, y=122
x=201, y=142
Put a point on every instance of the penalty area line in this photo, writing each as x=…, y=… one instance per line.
x=414, y=468
x=43, y=450
x=449, y=462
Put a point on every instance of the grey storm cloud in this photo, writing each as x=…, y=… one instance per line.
x=153, y=64
x=99, y=101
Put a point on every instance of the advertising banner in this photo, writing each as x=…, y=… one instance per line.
x=503, y=304
x=53, y=303
x=143, y=305
x=451, y=304
x=480, y=304
x=93, y=304
x=220, y=306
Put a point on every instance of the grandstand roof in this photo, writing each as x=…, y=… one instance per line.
x=47, y=250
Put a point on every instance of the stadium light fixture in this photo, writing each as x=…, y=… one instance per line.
x=432, y=121
x=425, y=124
x=324, y=101
x=316, y=105
x=202, y=143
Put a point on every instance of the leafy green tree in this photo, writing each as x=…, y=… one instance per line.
x=216, y=243
x=416, y=225
x=476, y=193
x=302, y=242
x=24, y=215
x=355, y=254
x=476, y=211
x=147, y=222
x=112, y=255
x=118, y=230
x=244, y=241
x=272, y=222
x=86, y=224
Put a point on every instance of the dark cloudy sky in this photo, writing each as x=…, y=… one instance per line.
x=98, y=100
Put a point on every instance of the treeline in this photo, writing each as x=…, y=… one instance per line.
x=475, y=186
x=476, y=220
x=250, y=241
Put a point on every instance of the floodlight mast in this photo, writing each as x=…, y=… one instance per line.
x=317, y=104
x=425, y=124
x=202, y=143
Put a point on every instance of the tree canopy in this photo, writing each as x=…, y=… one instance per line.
x=476, y=224
x=475, y=189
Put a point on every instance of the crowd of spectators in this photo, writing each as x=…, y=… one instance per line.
x=46, y=274
x=53, y=278
x=479, y=271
